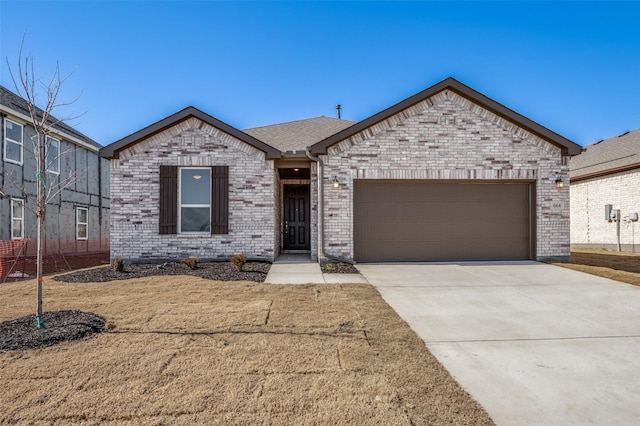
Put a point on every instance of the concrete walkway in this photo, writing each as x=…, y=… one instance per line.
x=534, y=344
x=299, y=269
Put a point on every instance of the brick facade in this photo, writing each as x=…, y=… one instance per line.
x=589, y=228
x=448, y=132
x=447, y=137
x=135, y=196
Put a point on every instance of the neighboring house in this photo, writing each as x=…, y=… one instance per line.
x=606, y=173
x=447, y=174
x=77, y=220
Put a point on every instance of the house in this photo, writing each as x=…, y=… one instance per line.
x=446, y=174
x=607, y=176
x=77, y=219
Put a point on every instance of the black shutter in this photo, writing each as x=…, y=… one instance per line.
x=220, y=200
x=168, y=200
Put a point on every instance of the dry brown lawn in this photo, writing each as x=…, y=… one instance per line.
x=619, y=266
x=184, y=350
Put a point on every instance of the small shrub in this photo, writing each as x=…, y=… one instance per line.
x=191, y=262
x=118, y=264
x=238, y=261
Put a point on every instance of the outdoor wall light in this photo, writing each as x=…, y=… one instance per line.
x=559, y=183
x=336, y=184
x=197, y=177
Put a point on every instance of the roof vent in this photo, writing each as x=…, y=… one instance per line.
x=623, y=134
x=598, y=142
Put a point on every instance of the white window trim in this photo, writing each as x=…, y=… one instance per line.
x=7, y=140
x=17, y=200
x=86, y=224
x=180, y=205
x=50, y=140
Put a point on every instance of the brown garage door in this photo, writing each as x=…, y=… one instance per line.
x=441, y=221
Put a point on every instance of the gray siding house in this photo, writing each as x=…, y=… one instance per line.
x=607, y=173
x=77, y=219
x=447, y=174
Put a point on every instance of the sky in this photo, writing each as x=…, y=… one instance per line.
x=573, y=67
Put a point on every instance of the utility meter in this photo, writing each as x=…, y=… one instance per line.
x=614, y=215
x=607, y=211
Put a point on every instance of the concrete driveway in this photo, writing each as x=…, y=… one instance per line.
x=534, y=344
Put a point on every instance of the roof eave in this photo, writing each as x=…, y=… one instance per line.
x=112, y=151
x=607, y=172
x=568, y=147
x=56, y=130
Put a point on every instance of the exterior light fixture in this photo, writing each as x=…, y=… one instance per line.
x=559, y=183
x=336, y=184
x=197, y=177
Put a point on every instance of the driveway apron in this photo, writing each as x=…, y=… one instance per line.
x=534, y=344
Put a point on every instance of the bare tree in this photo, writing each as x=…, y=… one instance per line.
x=30, y=87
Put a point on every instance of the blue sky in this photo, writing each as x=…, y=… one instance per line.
x=573, y=67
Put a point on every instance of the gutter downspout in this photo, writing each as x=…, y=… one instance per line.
x=100, y=224
x=318, y=160
x=3, y=168
x=618, y=228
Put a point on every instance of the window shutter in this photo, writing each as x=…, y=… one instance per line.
x=168, y=200
x=220, y=199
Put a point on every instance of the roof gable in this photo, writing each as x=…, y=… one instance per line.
x=617, y=154
x=112, y=151
x=568, y=147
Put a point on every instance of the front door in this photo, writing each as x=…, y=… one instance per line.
x=296, y=217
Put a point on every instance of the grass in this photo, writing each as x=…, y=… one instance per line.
x=184, y=350
x=619, y=266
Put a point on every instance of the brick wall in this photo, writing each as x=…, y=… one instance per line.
x=447, y=137
x=135, y=196
x=589, y=229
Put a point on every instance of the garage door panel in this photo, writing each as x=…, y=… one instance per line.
x=434, y=221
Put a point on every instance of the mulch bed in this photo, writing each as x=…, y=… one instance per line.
x=61, y=326
x=332, y=267
x=217, y=271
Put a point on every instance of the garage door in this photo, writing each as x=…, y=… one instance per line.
x=442, y=221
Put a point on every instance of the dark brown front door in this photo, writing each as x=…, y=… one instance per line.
x=296, y=217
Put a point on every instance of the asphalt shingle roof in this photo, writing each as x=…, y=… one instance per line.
x=608, y=156
x=297, y=135
x=17, y=104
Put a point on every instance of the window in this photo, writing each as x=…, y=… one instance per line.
x=195, y=200
x=53, y=155
x=12, y=142
x=17, y=219
x=82, y=223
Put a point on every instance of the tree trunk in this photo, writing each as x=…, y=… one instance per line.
x=27, y=85
x=40, y=213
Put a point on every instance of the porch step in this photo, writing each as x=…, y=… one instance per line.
x=294, y=258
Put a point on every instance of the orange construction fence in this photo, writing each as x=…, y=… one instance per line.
x=18, y=257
